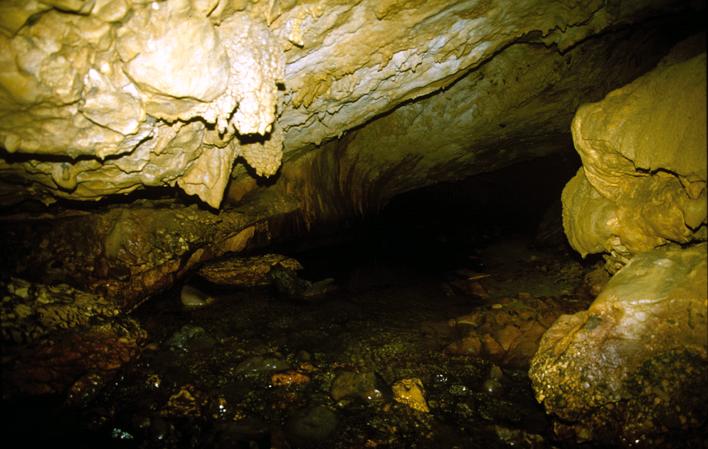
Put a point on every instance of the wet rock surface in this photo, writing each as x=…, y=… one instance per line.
x=246, y=271
x=56, y=338
x=365, y=367
x=627, y=370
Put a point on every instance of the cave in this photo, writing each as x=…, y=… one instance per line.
x=360, y=224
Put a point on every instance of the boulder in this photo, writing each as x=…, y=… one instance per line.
x=631, y=369
x=633, y=366
x=643, y=180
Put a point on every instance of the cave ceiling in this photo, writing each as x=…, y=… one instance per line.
x=100, y=98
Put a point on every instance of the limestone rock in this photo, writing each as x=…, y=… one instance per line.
x=99, y=97
x=246, y=271
x=31, y=311
x=129, y=253
x=137, y=95
x=643, y=181
x=622, y=367
x=78, y=358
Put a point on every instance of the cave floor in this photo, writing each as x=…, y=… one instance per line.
x=255, y=371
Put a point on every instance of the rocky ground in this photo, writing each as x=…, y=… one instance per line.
x=397, y=357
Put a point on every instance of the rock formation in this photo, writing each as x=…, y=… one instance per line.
x=141, y=139
x=628, y=369
x=506, y=84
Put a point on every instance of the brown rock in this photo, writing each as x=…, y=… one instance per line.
x=608, y=371
x=287, y=378
x=246, y=271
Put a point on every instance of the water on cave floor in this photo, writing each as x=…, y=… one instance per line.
x=254, y=370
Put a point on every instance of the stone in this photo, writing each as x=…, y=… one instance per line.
x=643, y=180
x=493, y=384
x=146, y=94
x=29, y=310
x=193, y=298
x=319, y=289
x=410, y=392
x=77, y=362
x=180, y=340
x=246, y=271
x=312, y=425
x=352, y=385
x=287, y=283
x=620, y=369
x=508, y=335
x=188, y=401
x=162, y=94
x=258, y=364
x=288, y=378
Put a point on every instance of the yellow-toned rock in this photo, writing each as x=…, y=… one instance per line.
x=643, y=181
x=601, y=370
x=411, y=393
x=136, y=95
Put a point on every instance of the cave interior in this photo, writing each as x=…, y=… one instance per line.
x=506, y=254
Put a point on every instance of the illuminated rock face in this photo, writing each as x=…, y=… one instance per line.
x=628, y=369
x=643, y=181
x=144, y=95
x=99, y=98
x=632, y=367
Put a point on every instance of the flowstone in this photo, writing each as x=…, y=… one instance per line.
x=631, y=366
x=643, y=180
x=630, y=370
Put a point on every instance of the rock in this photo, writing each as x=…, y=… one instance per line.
x=134, y=249
x=188, y=401
x=193, y=298
x=261, y=364
x=520, y=438
x=162, y=90
x=319, y=289
x=311, y=426
x=84, y=357
x=365, y=386
x=643, y=180
x=411, y=393
x=181, y=339
x=189, y=81
x=29, y=311
x=632, y=367
x=596, y=280
x=246, y=271
x=288, y=378
x=287, y=283
x=508, y=334
x=493, y=383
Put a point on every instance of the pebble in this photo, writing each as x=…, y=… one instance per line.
x=312, y=425
x=261, y=364
x=193, y=298
x=365, y=386
x=411, y=393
